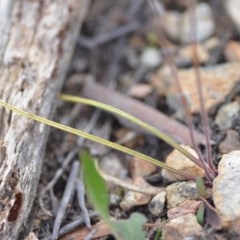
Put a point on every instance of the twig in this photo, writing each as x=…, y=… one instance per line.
x=140, y=110
x=71, y=226
x=109, y=36
x=90, y=235
x=57, y=175
x=81, y=201
x=132, y=187
x=67, y=195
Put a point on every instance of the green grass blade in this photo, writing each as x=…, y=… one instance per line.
x=200, y=214
x=95, y=186
x=201, y=189
x=118, y=112
x=94, y=139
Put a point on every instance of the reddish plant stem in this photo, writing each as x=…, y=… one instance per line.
x=203, y=113
x=170, y=59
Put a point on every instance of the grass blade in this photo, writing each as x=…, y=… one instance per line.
x=94, y=139
x=118, y=112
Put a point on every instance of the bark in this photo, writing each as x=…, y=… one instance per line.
x=37, y=38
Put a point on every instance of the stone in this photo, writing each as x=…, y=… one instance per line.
x=141, y=168
x=157, y=204
x=183, y=227
x=185, y=55
x=179, y=192
x=151, y=57
x=180, y=162
x=226, y=114
x=188, y=206
x=226, y=188
x=232, y=51
x=233, y=9
x=217, y=82
x=230, y=143
x=132, y=199
x=178, y=27
x=140, y=90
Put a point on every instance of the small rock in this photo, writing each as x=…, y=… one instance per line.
x=162, y=80
x=217, y=82
x=180, y=162
x=178, y=26
x=188, y=206
x=180, y=192
x=111, y=165
x=140, y=90
x=156, y=205
x=114, y=199
x=185, y=55
x=184, y=227
x=226, y=188
x=233, y=9
x=232, y=51
x=151, y=57
x=211, y=43
x=226, y=115
x=132, y=199
x=230, y=143
x=141, y=168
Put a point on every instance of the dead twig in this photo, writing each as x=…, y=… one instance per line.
x=67, y=195
x=81, y=201
x=174, y=129
x=109, y=36
x=129, y=186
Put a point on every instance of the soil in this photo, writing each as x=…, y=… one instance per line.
x=112, y=57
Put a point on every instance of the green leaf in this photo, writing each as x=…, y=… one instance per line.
x=158, y=234
x=95, y=186
x=201, y=189
x=200, y=214
x=130, y=229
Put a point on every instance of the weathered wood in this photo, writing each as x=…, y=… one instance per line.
x=37, y=38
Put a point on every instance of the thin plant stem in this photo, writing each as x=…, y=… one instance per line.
x=169, y=56
x=203, y=113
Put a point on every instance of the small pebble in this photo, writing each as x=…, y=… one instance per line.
x=140, y=90
x=178, y=26
x=184, y=227
x=156, y=205
x=217, y=82
x=226, y=188
x=188, y=206
x=232, y=51
x=180, y=162
x=180, y=192
x=226, y=115
x=230, y=143
x=151, y=58
x=141, y=168
x=185, y=55
x=132, y=199
x=233, y=9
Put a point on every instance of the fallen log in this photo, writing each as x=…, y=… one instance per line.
x=37, y=39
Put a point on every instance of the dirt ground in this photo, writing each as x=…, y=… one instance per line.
x=125, y=46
